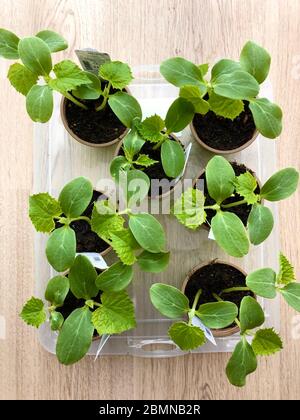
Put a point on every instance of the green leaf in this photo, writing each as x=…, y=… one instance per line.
x=117, y=73
x=76, y=196
x=151, y=128
x=56, y=321
x=169, y=300
x=82, y=278
x=189, y=208
x=135, y=185
x=126, y=108
x=75, y=337
x=42, y=210
x=21, y=78
x=286, y=273
x=153, y=263
x=61, y=248
x=224, y=66
x=89, y=91
x=39, y=103
x=69, y=76
x=144, y=160
x=132, y=143
x=236, y=85
x=9, y=44
x=245, y=185
x=115, y=315
x=204, y=68
x=225, y=107
x=291, y=294
x=33, y=312
x=281, y=185
x=172, y=158
x=57, y=290
x=241, y=363
x=217, y=314
x=267, y=117
x=35, y=55
x=255, y=60
x=179, y=115
x=105, y=224
x=123, y=243
x=118, y=165
x=230, y=234
x=251, y=314
x=266, y=342
x=116, y=278
x=260, y=224
x=148, y=232
x=220, y=177
x=187, y=337
x=262, y=282
x=181, y=72
x=193, y=94
x=54, y=41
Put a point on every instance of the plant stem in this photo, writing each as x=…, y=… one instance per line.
x=75, y=101
x=235, y=289
x=214, y=207
x=105, y=97
x=164, y=138
x=221, y=300
x=97, y=304
x=85, y=218
x=192, y=311
x=237, y=203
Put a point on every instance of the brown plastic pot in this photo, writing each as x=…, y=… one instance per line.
x=63, y=105
x=224, y=332
x=204, y=225
x=221, y=152
x=167, y=193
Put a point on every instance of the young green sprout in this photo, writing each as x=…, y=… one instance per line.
x=143, y=241
x=228, y=229
x=73, y=83
x=230, y=84
x=101, y=307
x=154, y=130
x=172, y=303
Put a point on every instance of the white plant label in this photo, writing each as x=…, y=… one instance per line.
x=91, y=59
x=96, y=259
x=207, y=332
x=211, y=235
x=187, y=155
x=102, y=343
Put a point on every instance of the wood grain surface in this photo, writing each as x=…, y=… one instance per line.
x=140, y=32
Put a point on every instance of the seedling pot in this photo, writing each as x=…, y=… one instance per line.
x=121, y=132
x=118, y=152
x=190, y=283
x=239, y=169
x=197, y=136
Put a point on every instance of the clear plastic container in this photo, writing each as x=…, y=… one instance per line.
x=59, y=158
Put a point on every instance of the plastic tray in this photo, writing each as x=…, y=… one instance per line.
x=58, y=159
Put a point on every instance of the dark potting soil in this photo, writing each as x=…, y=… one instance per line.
x=241, y=211
x=213, y=278
x=155, y=171
x=86, y=239
x=222, y=133
x=92, y=126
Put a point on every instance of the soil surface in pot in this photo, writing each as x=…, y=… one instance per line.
x=92, y=126
x=222, y=133
x=155, y=171
x=241, y=211
x=213, y=278
x=86, y=239
x=71, y=303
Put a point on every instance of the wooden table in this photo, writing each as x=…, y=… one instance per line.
x=140, y=31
